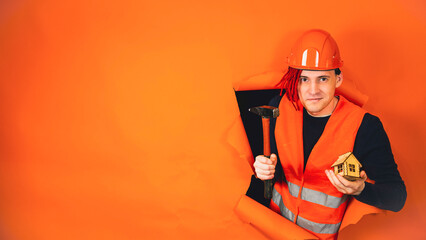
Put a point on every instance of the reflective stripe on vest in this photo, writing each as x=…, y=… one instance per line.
x=303, y=222
x=316, y=196
x=278, y=200
x=318, y=227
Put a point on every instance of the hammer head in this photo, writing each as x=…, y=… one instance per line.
x=265, y=111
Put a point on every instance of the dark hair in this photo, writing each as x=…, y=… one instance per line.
x=337, y=71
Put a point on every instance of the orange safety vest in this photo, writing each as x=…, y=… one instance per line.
x=307, y=197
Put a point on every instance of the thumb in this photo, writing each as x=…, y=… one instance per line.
x=363, y=175
x=273, y=158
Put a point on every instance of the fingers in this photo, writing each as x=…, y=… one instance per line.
x=346, y=183
x=345, y=186
x=265, y=175
x=273, y=158
x=264, y=160
x=335, y=181
x=265, y=167
x=363, y=175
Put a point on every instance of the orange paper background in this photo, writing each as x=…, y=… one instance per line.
x=116, y=116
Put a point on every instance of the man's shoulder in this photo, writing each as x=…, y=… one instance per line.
x=371, y=127
x=371, y=120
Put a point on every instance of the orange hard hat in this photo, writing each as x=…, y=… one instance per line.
x=315, y=50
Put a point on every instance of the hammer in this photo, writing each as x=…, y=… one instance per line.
x=266, y=112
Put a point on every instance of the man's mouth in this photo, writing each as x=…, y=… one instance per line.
x=314, y=99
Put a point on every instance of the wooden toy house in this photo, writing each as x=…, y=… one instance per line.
x=348, y=166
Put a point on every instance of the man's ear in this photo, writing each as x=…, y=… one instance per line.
x=339, y=80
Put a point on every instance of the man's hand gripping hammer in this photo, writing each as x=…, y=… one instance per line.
x=266, y=112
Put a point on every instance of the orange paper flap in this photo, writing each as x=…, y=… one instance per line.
x=237, y=138
x=355, y=211
x=268, y=222
x=350, y=92
x=266, y=80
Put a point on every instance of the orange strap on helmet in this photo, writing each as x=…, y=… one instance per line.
x=315, y=50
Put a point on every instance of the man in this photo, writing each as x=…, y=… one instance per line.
x=315, y=127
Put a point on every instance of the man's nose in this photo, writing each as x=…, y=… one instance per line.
x=313, y=87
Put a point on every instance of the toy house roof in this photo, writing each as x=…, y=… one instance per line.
x=343, y=158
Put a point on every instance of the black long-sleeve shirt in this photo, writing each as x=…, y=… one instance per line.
x=371, y=148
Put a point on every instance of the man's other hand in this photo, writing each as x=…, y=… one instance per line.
x=265, y=167
x=345, y=186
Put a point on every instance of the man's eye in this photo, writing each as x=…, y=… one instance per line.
x=303, y=79
x=323, y=79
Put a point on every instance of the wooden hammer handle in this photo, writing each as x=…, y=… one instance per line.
x=266, y=138
x=268, y=184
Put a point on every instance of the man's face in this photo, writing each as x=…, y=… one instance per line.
x=316, y=91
